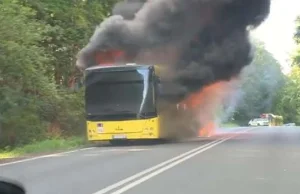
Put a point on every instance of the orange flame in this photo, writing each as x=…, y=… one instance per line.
x=208, y=130
x=205, y=104
x=108, y=57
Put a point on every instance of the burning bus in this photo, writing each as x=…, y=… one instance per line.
x=125, y=102
x=120, y=102
x=129, y=102
x=201, y=44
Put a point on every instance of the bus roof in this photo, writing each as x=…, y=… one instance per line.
x=103, y=68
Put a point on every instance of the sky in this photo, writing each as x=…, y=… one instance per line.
x=278, y=30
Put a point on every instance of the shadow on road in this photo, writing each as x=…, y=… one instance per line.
x=128, y=143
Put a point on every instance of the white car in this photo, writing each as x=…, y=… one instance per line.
x=259, y=122
x=290, y=124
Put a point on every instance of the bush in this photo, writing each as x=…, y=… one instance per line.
x=59, y=115
x=21, y=125
x=66, y=114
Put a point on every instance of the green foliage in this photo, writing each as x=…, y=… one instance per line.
x=229, y=125
x=297, y=33
x=48, y=145
x=66, y=111
x=261, y=81
x=288, y=100
x=72, y=24
x=296, y=55
x=22, y=84
x=38, y=45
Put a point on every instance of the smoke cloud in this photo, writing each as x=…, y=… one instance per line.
x=198, y=41
x=128, y=8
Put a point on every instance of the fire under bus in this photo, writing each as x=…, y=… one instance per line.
x=121, y=103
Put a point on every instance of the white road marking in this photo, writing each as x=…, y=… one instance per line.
x=136, y=150
x=122, y=150
x=131, y=178
x=103, y=152
x=45, y=156
x=69, y=152
x=159, y=168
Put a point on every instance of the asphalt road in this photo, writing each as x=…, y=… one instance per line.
x=263, y=160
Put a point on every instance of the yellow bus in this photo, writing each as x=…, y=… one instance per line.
x=122, y=104
x=274, y=120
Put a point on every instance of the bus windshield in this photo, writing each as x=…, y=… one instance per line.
x=119, y=94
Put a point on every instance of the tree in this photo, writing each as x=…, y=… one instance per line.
x=259, y=85
x=297, y=33
x=22, y=82
x=73, y=23
x=288, y=100
x=38, y=45
x=296, y=56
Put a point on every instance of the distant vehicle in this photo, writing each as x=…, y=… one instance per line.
x=259, y=122
x=290, y=124
x=274, y=120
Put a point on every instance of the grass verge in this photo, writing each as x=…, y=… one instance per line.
x=230, y=124
x=46, y=146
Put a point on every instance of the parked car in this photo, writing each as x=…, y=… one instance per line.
x=290, y=124
x=259, y=122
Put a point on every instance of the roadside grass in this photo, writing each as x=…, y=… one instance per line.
x=230, y=124
x=46, y=146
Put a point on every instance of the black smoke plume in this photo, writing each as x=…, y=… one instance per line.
x=198, y=41
x=128, y=8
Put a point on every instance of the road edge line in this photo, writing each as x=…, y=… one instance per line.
x=161, y=165
x=165, y=168
x=44, y=156
x=148, y=170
